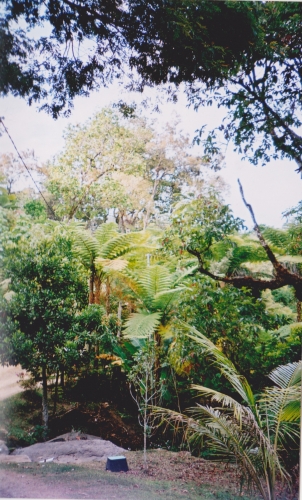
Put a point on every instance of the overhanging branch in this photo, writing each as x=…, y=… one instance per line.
x=282, y=276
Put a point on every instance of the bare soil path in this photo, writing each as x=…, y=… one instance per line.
x=9, y=381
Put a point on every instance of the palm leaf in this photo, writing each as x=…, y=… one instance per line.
x=281, y=404
x=225, y=366
x=287, y=375
x=225, y=400
x=224, y=435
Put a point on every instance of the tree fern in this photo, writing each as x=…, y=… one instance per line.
x=155, y=291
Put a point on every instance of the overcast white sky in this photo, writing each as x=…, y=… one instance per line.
x=271, y=189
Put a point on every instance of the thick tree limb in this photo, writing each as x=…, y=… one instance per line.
x=282, y=276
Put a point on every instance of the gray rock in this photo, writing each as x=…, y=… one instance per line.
x=71, y=451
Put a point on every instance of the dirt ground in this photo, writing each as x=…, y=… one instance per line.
x=9, y=381
x=170, y=475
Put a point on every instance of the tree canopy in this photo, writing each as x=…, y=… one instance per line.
x=246, y=56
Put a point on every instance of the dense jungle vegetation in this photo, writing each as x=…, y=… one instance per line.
x=128, y=282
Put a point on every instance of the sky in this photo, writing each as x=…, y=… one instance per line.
x=271, y=189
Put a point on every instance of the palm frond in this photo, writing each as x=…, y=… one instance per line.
x=218, y=397
x=280, y=405
x=224, y=365
x=287, y=375
x=223, y=434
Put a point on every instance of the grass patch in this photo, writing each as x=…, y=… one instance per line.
x=20, y=419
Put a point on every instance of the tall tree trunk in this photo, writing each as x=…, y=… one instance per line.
x=148, y=211
x=157, y=339
x=299, y=311
x=121, y=224
x=62, y=377
x=107, y=296
x=91, y=286
x=44, y=398
x=97, y=296
x=145, y=423
x=119, y=317
x=97, y=352
x=56, y=392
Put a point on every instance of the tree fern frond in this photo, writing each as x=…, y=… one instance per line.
x=141, y=325
x=154, y=280
x=179, y=277
x=112, y=265
x=163, y=299
x=85, y=246
x=166, y=331
x=106, y=232
x=118, y=246
x=277, y=237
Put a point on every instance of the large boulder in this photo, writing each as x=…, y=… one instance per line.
x=71, y=448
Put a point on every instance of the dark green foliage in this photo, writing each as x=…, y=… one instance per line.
x=95, y=334
x=47, y=291
x=113, y=28
x=279, y=346
x=188, y=40
x=35, y=209
x=286, y=297
x=27, y=74
x=234, y=320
